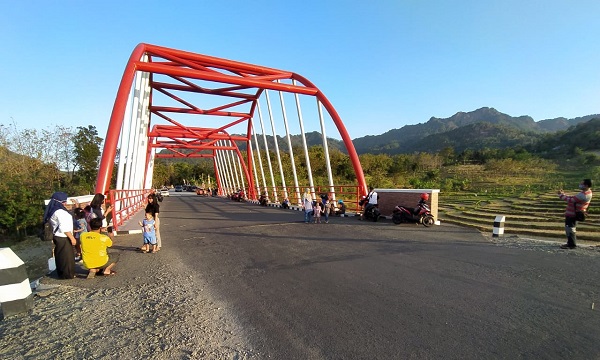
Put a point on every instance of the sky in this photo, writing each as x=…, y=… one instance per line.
x=383, y=64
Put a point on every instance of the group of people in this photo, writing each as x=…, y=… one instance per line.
x=77, y=234
x=82, y=233
x=323, y=206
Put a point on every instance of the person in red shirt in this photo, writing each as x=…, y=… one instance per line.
x=575, y=204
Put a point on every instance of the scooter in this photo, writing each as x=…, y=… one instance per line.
x=420, y=215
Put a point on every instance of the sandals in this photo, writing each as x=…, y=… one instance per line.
x=112, y=272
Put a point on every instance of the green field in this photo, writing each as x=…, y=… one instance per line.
x=527, y=198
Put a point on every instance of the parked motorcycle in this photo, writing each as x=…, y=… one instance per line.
x=372, y=212
x=263, y=199
x=238, y=196
x=420, y=215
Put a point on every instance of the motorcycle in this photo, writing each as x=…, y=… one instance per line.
x=263, y=200
x=372, y=212
x=238, y=196
x=420, y=215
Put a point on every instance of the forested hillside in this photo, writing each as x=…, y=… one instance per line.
x=475, y=130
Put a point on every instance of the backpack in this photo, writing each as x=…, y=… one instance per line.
x=47, y=233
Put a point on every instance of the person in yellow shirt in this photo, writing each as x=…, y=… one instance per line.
x=93, y=250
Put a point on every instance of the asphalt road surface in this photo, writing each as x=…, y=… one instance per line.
x=363, y=290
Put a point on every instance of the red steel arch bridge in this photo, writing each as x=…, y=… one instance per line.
x=199, y=106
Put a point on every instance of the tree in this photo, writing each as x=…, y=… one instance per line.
x=86, y=147
x=29, y=173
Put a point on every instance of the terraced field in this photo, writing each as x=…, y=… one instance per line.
x=533, y=215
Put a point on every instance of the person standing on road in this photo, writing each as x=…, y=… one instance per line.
x=317, y=212
x=307, y=203
x=575, y=204
x=149, y=232
x=154, y=208
x=62, y=225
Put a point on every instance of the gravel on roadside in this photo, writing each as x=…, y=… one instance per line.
x=165, y=314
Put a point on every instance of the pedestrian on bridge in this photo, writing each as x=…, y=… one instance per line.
x=154, y=208
x=62, y=225
x=307, y=203
x=149, y=226
x=101, y=211
x=326, y=199
x=576, y=208
x=317, y=211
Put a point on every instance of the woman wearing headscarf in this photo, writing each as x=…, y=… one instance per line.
x=62, y=225
x=307, y=203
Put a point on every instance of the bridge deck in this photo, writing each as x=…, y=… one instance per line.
x=355, y=290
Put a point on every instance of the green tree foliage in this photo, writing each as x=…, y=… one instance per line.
x=29, y=173
x=574, y=141
x=86, y=147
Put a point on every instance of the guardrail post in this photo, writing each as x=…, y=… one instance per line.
x=498, y=226
x=15, y=291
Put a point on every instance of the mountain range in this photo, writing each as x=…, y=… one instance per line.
x=482, y=128
x=485, y=127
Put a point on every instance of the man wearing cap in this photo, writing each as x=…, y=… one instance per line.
x=62, y=225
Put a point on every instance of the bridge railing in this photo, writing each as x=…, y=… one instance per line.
x=125, y=204
x=348, y=193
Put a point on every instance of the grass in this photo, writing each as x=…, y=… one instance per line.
x=541, y=215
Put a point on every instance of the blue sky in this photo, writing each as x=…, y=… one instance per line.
x=383, y=64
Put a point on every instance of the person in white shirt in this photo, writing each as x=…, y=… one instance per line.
x=62, y=225
x=371, y=199
x=307, y=203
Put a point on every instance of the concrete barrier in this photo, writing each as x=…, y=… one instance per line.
x=15, y=292
x=498, y=226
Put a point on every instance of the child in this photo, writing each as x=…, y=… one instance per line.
x=93, y=250
x=82, y=226
x=89, y=215
x=318, y=213
x=149, y=233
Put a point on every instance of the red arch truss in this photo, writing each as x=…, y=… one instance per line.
x=234, y=87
